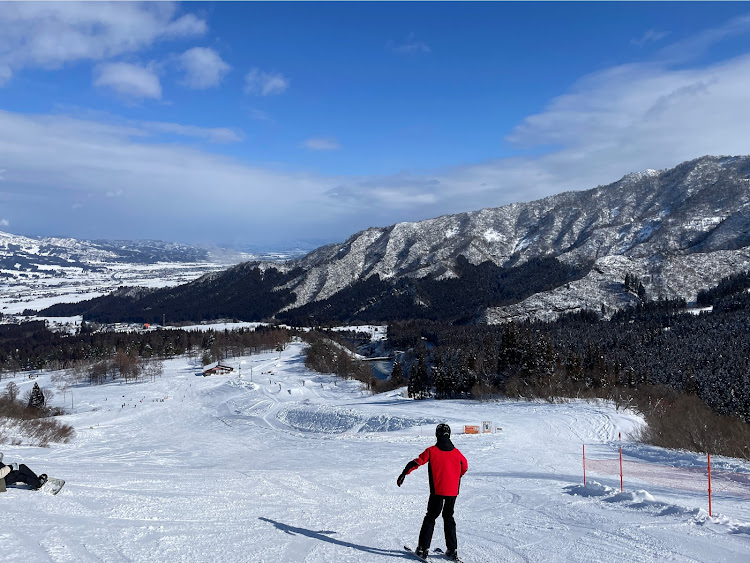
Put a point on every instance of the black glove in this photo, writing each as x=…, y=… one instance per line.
x=400, y=480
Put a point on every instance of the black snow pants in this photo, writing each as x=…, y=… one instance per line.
x=23, y=475
x=435, y=506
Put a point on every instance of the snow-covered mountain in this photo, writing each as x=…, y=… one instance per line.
x=25, y=253
x=679, y=230
x=38, y=272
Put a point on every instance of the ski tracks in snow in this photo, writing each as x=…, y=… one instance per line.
x=197, y=469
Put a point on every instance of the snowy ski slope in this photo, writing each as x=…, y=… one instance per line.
x=294, y=466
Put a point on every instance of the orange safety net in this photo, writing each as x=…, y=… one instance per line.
x=681, y=478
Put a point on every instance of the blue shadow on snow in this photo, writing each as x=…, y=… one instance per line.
x=324, y=535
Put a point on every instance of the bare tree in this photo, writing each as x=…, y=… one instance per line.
x=129, y=365
x=11, y=391
x=153, y=369
x=48, y=395
x=62, y=380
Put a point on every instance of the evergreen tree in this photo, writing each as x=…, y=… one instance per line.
x=641, y=292
x=36, y=400
x=574, y=367
x=397, y=375
x=206, y=358
x=412, y=386
x=421, y=380
x=441, y=381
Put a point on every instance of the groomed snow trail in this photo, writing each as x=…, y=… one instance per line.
x=295, y=466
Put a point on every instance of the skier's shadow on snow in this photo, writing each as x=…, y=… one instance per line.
x=324, y=535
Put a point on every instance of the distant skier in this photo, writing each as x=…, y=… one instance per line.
x=446, y=467
x=15, y=473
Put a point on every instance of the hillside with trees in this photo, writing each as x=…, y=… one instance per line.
x=670, y=363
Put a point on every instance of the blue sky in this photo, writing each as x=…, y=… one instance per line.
x=270, y=124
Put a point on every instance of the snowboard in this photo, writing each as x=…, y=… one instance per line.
x=52, y=486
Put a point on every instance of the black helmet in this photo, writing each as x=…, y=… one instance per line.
x=443, y=430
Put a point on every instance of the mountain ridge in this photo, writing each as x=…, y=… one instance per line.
x=31, y=252
x=560, y=225
x=679, y=230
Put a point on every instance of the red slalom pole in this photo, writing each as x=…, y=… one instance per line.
x=709, y=485
x=619, y=437
x=584, y=464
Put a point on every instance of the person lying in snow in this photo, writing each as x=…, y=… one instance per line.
x=446, y=466
x=15, y=473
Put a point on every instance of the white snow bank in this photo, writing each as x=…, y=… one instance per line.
x=643, y=500
x=590, y=489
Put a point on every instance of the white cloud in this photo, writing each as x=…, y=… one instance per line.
x=51, y=34
x=59, y=161
x=648, y=112
x=203, y=67
x=650, y=36
x=692, y=47
x=5, y=74
x=136, y=128
x=260, y=115
x=264, y=83
x=4, y=223
x=610, y=123
x=128, y=80
x=410, y=46
x=623, y=119
x=322, y=144
x=211, y=134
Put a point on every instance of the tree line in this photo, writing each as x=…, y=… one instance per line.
x=654, y=356
x=247, y=292
x=30, y=346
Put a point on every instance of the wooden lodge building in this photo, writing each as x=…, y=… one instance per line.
x=217, y=368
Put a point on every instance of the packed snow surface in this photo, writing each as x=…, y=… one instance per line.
x=273, y=463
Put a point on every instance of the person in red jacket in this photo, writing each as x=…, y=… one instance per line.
x=446, y=466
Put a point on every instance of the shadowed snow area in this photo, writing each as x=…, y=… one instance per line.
x=333, y=420
x=274, y=463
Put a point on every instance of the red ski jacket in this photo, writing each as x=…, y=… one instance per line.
x=446, y=467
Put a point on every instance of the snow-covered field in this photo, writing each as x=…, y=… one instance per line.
x=38, y=290
x=295, y=466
